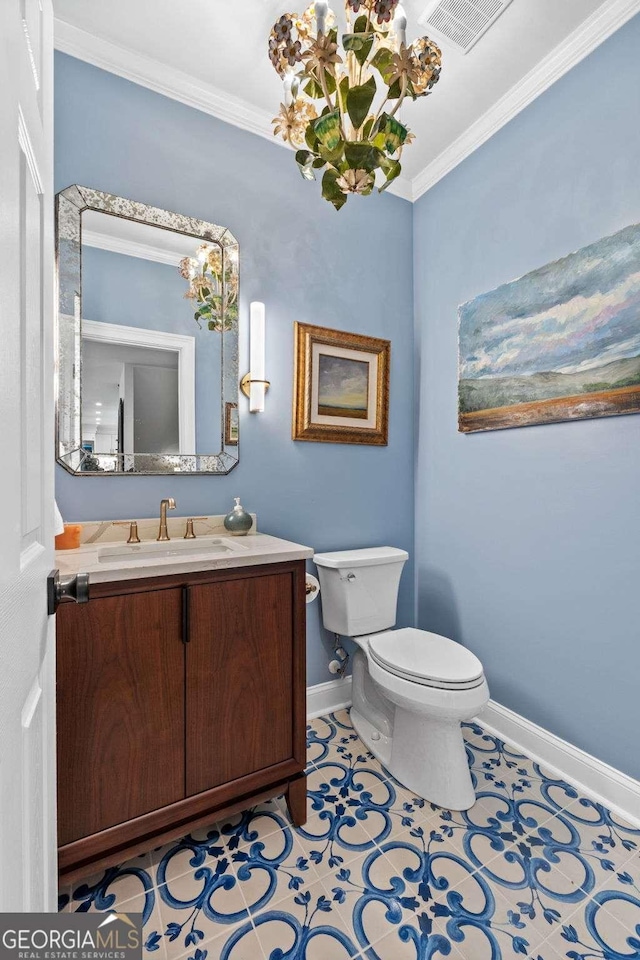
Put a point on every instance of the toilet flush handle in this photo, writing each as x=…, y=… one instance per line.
x=350, y=577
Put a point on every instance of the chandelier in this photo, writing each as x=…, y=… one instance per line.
x=342, y=95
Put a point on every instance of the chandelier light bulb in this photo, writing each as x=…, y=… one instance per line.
x=400, y=26
x=321, y=10
x=289, y=78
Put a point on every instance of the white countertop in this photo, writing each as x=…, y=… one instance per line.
x=246, y=551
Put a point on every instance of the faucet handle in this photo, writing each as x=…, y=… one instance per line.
x=133, y=529
x=189, y=533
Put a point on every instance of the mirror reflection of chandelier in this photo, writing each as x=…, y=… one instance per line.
x=342, y=94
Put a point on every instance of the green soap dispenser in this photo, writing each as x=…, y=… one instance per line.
x=238, y=522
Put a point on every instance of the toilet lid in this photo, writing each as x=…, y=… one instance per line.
x=426, y=658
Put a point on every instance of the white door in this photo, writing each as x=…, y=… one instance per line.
x=27, y=655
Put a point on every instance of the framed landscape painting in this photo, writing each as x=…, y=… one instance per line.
x=561, y=343
x=231, y=424
x=341, y=392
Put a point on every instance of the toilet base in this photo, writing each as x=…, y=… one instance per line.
x=428, y=756
x=418, y=741
x=375, y=741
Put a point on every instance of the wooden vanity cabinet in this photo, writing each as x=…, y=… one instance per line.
x=180, y=700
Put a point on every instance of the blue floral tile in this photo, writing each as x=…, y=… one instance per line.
x=198, y=907
x=546, y=952
x=403, y=811
x=348, y=808
x=609, y=836
x=499, y=768
x=239, y=943
x=419, y=853
x=333, y=838
x=608, y=852
x=333, y=737
x=271, y=869
x=64, y=898
x=100, y=897
x=305, y=926
x=544, y=869
x=622, y=883
x=371, y=896
x=113, y=887
x=254, y=824
x=321, y=733
x=347, y=748
x=483, y=746
x=197, y=849
x=491, y=826
x=436, y=905
x=607, y=928
x=342, y=719
x=534, y=869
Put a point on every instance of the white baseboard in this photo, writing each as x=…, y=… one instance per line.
x=603, y=783
x=617, y=791
x=328, y=697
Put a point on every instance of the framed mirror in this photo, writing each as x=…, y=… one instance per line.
x=147, y=339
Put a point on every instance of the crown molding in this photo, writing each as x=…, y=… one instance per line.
x=579, y=44
x=180, y=86
x=130, y=248
x=160, y=78
x=402, y=187
x=177, y=85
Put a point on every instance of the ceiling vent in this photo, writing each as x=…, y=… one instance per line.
x=461, y=23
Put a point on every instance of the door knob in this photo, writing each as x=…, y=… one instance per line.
x=73, y=587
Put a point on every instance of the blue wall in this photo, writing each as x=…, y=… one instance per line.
x=351, y=271
x=527, y=539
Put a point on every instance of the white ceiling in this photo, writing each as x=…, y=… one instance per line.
x=213, y=54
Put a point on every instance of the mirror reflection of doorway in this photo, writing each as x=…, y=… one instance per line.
x=138, y=391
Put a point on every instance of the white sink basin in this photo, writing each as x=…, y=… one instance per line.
x=172, y=548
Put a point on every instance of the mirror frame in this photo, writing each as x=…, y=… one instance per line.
x=70, y=205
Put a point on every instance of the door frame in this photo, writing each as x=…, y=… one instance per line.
x=183, y=345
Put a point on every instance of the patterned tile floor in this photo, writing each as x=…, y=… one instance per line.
x=533, y=869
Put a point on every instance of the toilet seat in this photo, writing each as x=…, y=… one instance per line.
x=426, y=658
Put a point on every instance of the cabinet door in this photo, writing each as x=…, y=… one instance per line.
x=239, y=678
x=120, y=710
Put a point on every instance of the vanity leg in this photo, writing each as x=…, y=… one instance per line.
x=296, y=797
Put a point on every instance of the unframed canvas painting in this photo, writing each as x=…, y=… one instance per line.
x=561, y=343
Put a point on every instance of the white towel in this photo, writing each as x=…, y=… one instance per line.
x=58, y=521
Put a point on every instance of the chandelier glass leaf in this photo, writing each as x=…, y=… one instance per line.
x=342, y=94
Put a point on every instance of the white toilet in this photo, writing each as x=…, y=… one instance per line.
x=411, y=688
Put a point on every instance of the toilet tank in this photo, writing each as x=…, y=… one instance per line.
x=359, y=589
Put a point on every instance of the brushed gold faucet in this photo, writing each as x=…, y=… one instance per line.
x=133, y=529
x=190, y=533
x=167, y=504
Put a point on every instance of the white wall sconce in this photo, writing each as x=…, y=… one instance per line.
x=253, y=384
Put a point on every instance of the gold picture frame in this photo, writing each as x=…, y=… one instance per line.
x=341, y=389
x=231, y=426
